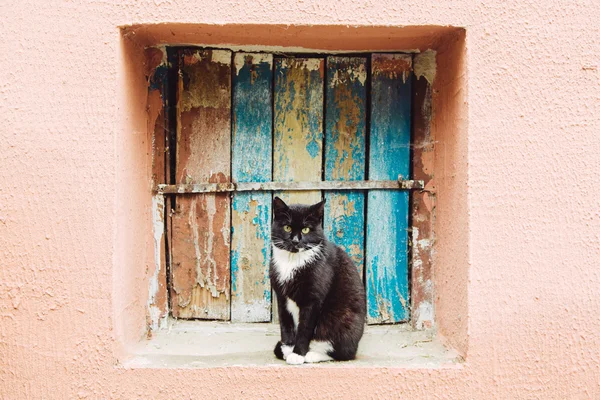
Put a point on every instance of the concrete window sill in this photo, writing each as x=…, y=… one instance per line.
x=194, y=344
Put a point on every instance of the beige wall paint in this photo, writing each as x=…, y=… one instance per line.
x=516, y=172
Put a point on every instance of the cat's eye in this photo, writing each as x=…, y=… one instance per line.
x=306, y=229
x=287, y=228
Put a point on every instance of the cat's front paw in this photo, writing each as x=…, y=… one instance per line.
x=295, y=359
x=286, y=350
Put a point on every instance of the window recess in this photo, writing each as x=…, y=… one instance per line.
x=246, y=126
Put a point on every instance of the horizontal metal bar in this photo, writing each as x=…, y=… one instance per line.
x=293, y=186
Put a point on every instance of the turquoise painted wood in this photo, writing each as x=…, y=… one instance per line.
x=345, y=127
x=387, y=211
x=298, y=130
x=251, y=212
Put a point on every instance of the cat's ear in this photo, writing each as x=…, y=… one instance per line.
x=318, y=210
x=279, y=206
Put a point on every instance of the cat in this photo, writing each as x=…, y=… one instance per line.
x=320, y=296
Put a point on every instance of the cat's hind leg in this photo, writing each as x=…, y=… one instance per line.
x=318, y=352
x=345, y=351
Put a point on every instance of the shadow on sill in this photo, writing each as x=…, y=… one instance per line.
x=196, y=344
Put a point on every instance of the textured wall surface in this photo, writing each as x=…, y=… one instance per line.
x=75, y=248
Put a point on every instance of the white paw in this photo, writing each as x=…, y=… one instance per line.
x=286, y=350
x=315, y=357
x=295, y=359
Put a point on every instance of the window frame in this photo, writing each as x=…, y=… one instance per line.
x=421, y=203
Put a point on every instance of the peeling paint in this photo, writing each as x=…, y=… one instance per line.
x=212, y=56
x=251, y=212
x=221, y=57
x=346, y=120
x=158, y=230
x=199, y=90
x=425, y=65
x=355, y=251
x=156, y=75
x=310, y=64
x=200, y=273
x=344, y=223
x=200, y=276
x=387, y=213
x=416, y=261
x=209, y=245
x=347, y=76
x=343, y=206
x=298, y=134
x=345, y=153
x=384, y=309
x=423, y=202
x=391, y=66
x=252, y=59
x=424, y=315
x=250, y=258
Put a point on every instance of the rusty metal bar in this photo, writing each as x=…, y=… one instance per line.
x=293, y=186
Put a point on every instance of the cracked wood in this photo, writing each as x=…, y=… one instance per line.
x=200, y=271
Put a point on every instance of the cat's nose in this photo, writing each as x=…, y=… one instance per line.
x=295, y=239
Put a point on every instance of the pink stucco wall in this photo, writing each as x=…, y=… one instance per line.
x=519, y=174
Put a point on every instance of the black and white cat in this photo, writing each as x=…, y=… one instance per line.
x=320, y=295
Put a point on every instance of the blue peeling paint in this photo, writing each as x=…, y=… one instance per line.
x=345, y=156
x=387, y=211
x=235, y=260
x=251, y=162
x=313, y=149
x=252, y=124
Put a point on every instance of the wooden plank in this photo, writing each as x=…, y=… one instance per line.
x=387, y=212
x=298, y=130
x=345, y=127
x=423, y=202
x=251, y=212
x=200, y=270
x=156, y=72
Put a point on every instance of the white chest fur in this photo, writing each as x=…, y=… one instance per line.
x=287, y=264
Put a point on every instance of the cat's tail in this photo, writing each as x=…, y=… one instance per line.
x=278, y=352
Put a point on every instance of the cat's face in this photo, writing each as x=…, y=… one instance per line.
x=296, y=227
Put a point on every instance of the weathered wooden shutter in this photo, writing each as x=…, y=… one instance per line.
x=285, y=120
